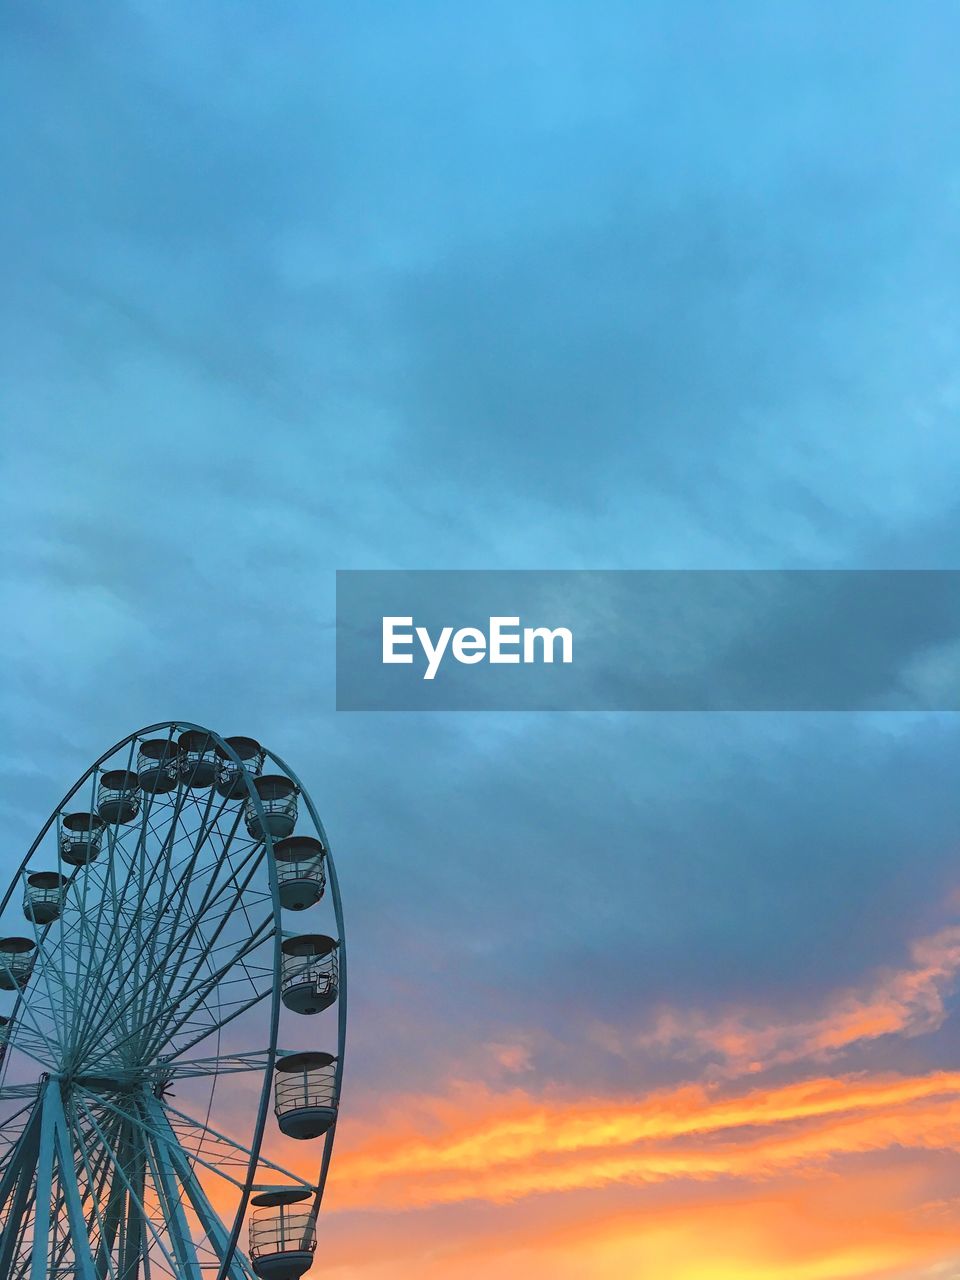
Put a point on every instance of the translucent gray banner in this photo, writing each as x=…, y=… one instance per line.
x=642, y=640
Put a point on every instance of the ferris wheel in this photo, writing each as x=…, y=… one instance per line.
x=152, y=974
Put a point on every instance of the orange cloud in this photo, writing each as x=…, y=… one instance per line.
x=871, y=1223
x=807, y=1233
x=908, y=1002
x=515, y=1145
x=833, y=1177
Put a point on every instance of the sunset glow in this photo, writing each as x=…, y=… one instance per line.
x=824, y=1176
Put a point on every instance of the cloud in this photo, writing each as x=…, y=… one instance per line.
x=504, y=1147
x=871, y=1223
x=828, y=1179
x=909, y=1002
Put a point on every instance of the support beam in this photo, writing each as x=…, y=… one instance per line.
x=133, y=1243
x=136, y=1200
x=183, y=1247
x=209, y=1219
x=82, y=1261
x=24, y=1144
x=18, y=1179
x=113, y=1216
x=40, y=1252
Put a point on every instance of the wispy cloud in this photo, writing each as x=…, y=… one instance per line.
x=908, y=1001
x=500, y=1147
x=820, y=1177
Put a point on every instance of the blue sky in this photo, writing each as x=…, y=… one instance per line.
x=305, y=287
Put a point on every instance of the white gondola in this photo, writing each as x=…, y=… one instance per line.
x=43, y=897
x=305, y=1094
x=80, y=836
x=300, y=872
x=230, y=780
x=198, y=759
x=309, y=978
x=16, y=962
x=158, y=761
x=282, y=1239
x=118, y=796
x=278, y=799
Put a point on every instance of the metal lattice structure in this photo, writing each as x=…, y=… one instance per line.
x=153, y=947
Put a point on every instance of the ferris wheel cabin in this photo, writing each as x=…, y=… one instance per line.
x=198, y=759
x=4, y=1036
x=43, y=897
x=118, y=796
x=17, y=956
x=278, y=800
x=157, y=765
x=300, y=873
x=230, y=780
x=305, y=1095
x=309, y=976
x=282, y=1239
x=80, y=836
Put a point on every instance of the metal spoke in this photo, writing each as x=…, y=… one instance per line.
x=96, y=1183
x=221, y=1172
x=160, y=967
x=163, y=857
x=227, y=1064
x=214, y=1228
x=110, y=978
x=232, y=1142
x=168, y=1028
x=135, y=1199
x=163, y=1180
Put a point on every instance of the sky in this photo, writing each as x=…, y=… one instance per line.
x=305, y=287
